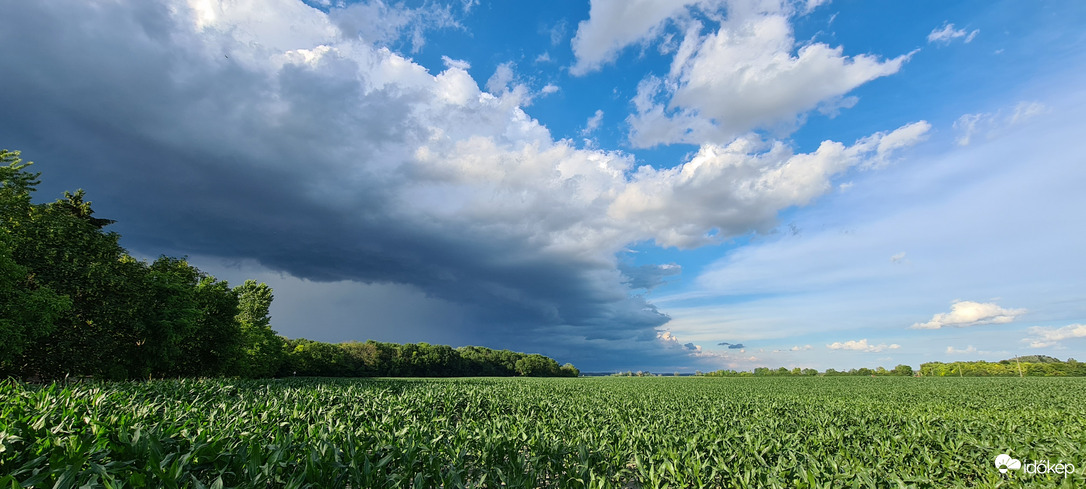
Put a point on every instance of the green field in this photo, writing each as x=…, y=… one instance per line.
x=524, y=432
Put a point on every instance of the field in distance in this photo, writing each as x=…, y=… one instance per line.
x=528, y=432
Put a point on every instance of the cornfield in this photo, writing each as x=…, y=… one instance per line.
x=524, y=432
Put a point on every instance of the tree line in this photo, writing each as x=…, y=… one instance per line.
x=1026, y=366
x=73, y=302
x=898, y=371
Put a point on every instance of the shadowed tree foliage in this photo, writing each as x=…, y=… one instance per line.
x=372, y=358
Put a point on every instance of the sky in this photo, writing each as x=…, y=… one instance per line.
x=657, y=185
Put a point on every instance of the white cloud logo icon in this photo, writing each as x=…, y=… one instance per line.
x=1004, y=462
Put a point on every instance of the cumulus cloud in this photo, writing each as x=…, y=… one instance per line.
x=732, y=346
x=947, y=33
x=1045, y=337
x=898, y=258
x=615, y=24
x=861, y=345
x=744, y=76
x=968, y=313
x=726, y=190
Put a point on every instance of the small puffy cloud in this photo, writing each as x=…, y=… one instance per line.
x=794, y=349
x=861, y=345
x=898, y=258
x=1044, y=337
x=968, y=313
x=947, y=33
x=732, y=346
x=458, y=64
x=549, y=89
x=669, y=341
x=592, y=123
x=968, y=349
x=500, y=80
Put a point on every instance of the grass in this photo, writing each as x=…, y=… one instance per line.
x=525, y=432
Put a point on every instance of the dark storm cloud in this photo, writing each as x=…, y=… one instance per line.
x=648, y=276
x=293, y=166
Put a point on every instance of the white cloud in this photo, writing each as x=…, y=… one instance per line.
x=968, y=349
x=968, y=313
x=813, y=4
x=947, y=33
x=743, y=77
x=500, y=80
x=801, y=348
x=727, y=190
x=672, y=342
x=615, y=24
x=1044, y=337
x=995, y=124
x=592, y=123
x=898, y=257
x=861, y=345
x=378, y=23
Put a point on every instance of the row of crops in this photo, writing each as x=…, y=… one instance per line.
x=522, y=432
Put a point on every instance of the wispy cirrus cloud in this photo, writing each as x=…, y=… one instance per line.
x=992, y=124
x=947, y=33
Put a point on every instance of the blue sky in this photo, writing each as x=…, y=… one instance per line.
x=647, y=184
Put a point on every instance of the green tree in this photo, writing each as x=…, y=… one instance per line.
x=28, y=309
x=262, y=350
x=71, y=255
x=214, y=343
x=903, y=370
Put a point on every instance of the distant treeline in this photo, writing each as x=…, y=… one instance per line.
x=353, y=359
x=1026, y=366
x=899, y=371
x=73, y=302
